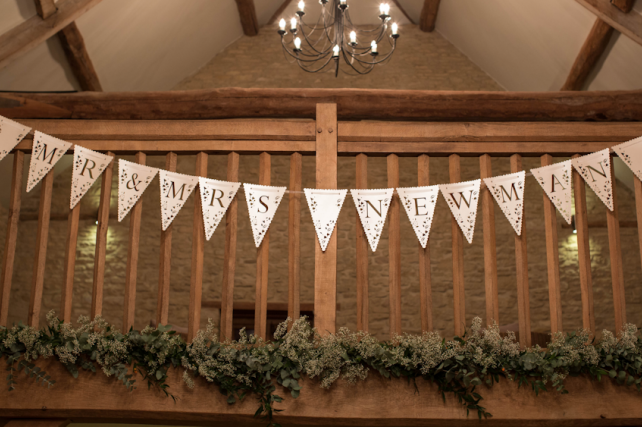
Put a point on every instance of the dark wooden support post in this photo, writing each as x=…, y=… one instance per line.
x=74, y=46
x=429, y=15
x=624, y=5
x=247, y=13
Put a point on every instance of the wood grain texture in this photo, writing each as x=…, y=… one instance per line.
x=325, y=271
x=552, y=257
x=362, y=250
x=583, y=251
x=164, y=270
x=131, y=271
x=394, y=247
x=262, y=259
x=67, y=293
x=278, y=14
x=13, y=218
x=490, y=247
x=229, y=256
x=521, y=269
x=459, y=297
x=429, y=15
x=79, y=60
x=629, y=24
x=624, y=5
x=45, y=8
x=198, y=253
x=294, y=236
x=637, y=184
x=247, y=15
x=615, y=254
x=425, y=283
x=589, y=55
x=101, y=239
x=38, y=423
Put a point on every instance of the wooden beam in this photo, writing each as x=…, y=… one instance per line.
x=629, y=24
x=247, y=13
x=590, y=53
x=403, y=11
x=46, y=8
x=74, y=46
x=429, y=15
x=624, y=5
x=21, y=39
x=279, y=12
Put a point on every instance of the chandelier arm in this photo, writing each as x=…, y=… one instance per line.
x=307, y=40
x=298, y=58
x=318, y=69
x=367, y=70
x=375, y=62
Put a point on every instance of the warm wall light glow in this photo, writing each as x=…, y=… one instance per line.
x=282, y=24
x=297, y=43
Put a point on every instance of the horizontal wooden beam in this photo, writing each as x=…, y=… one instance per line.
x=590, y=53
x=629, y=24
x=429, y=15
x=352, y=104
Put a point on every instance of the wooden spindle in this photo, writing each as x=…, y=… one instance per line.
x=459, y=297
x=490, y=249
x=425, y=284
x=615, y=251
x=362, y=251
x=294, y=237
x=70, y=264
x=198, y=253
x=162, y=309
x=394, y=248
x=229, y=257
x=13, y=220
x=262, y=259
x=637, y=184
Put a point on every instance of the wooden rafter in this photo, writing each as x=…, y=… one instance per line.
x=46, y=8
x=78, y=57
x=429, y=15
x=400, y=7
x=247, y=14
x=629, y=24
x=279, y=11
x=624, y=5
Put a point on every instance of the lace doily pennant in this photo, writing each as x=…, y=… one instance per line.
x=508, y=191
x=595, y=168
x=419, y=203
x=372, y=206
x=88, y=165
x=325, y=206
x=11, y=133
x=555, y=179
x=175, y=189
x=133, y=180
x=631, y=153
x=262, y=203
x=463, y=198
x=46, y=152
x=216, y=197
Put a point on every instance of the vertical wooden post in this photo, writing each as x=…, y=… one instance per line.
x=552, y=257
x=362, y=251
x=325, y=272
x=638, y=208
x=262, y=259
x=459, y=296
x=425, y=286
x=490, y=249
x=70, y=264
x=13, y=219
x=162, y=310
x=198, y=252
x=583, y=251
x=394, y=248
x=229, y=257
x=615, y=250
x=294, y=236
x=132, y=257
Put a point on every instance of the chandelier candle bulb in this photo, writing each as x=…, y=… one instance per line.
x=335, y=51
x=297, y=44
x=300, y=12
x=282, y=26
x=353, y=38
x=373, y=47
x=293, y=25
x=395, y=29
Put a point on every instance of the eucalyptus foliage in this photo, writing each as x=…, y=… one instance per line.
x=251, y=366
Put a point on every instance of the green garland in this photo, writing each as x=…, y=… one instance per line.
x=251, y=366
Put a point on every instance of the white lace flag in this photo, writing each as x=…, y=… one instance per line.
x=555, y=179
x=325, y=206
x=262, y=203
x=133, y=180
x=88, y=165
x=419, y=203
x=11, y=133
x=46, y=152
x=372, y=206
x=175, y=189
x=595, y=168
x=508, y=191
x=216, y=197
x=462, y=198
x=631, y=153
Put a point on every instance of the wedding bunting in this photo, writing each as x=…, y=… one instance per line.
x=216, y=197
x=325, y=206
x=175, y=189
x=462, y=198
x=631, y=153
x=45, y=153
x=133, y=180
x=419, y=203
x=262, y=203
x=508, y=191
x=555, y=179
x=372, y=206
x=11, y=133
x=88, y=165
x=595, y=168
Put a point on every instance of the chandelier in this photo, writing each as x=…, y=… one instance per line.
x=334, y=36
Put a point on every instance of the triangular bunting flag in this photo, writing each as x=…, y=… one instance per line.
x=175, y=189
x=372, y=206
x=462, y=198
x=11, y=133
x=88, y=165
x=508, y=191
x=631, y=153
x=595, y=168
x=46, y=152
x=133, y=180
x=325, y=206
x=216, y=197
x=419, y=203
x=555, y=179
x=262, y=203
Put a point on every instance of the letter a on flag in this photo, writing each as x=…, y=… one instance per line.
x=372, y=206
x=262, y=203
x=631, y=153
x=555, y=179
x=11, y=133
x=175, y=189
x=133, y=180
x=595, y=168
x=419, y=203
x=88, y=165
x=216, y=197
x=508, y=191
x=325, y=206
x=462, y=198
x=46, y=152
